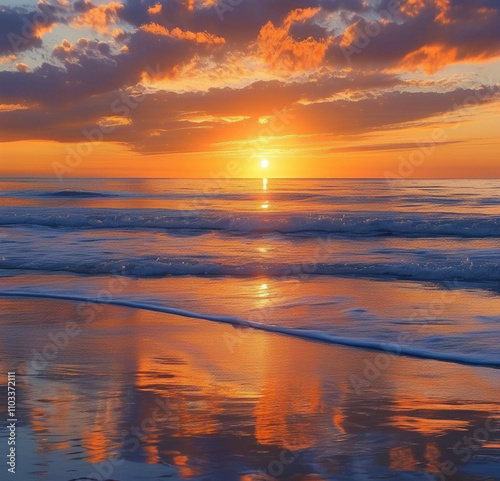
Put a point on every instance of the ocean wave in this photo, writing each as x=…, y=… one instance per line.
x=56, y=194
x=350, y=224
x=305, y=334
x=477, y=272
x=80, y=194
x=197, y=197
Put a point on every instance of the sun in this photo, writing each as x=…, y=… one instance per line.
x=264, y=163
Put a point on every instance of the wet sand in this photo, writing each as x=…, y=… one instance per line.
x=137, y=395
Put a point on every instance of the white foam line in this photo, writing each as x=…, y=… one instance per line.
x=390, y=348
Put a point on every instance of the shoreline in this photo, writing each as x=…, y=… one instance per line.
x=308, y=335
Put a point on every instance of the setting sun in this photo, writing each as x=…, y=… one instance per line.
x=264, y=163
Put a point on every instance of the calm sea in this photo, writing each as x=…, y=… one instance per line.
x=360, y=259
x=108, y=290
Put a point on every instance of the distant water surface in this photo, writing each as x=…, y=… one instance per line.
x=354, y=258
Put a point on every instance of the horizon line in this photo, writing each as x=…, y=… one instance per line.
x=61, y=181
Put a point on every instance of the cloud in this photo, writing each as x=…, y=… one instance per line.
x=386, y=147
x=284, y=54
x=423, y=34
x=388, y=110
x=201, y=121
x=197, y=37
x=64, y=51
x=8, y=59
x=155, y=9
x=89, y=67
x=100, y=18
x=162, y=111
x=281, y=51
x=22, y=30
x=238, y=22
x=412, y=8
x=22, y=67
x=293, y=35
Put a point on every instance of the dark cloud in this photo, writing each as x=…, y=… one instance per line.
x=167, y=109
x=428, y=37
x=238, y=22
x=197, y=121
x=336, y=117
x=386, y=147
x=82, y=6
x=21, y=29
x=388, y=109
x=88, y=68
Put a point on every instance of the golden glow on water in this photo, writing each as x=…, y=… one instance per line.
x=265, y=204
x=263, y=290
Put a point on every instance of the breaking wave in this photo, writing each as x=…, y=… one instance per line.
x=349, y=225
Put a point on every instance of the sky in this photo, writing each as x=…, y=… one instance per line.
x=210, y=88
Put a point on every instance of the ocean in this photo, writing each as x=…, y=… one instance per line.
x=326, y=329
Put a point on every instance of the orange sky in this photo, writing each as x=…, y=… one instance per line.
x=206, y=89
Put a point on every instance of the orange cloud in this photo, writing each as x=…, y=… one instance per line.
x=350, y=34
x=155, y=29
x=155, y=9
x=439, y=33
x=432, y=58
x=100, y=18
x=196, y=37
x=281, y=51
x=66, y=50
x=7, y=58
x=412, y=8
x=22, y=67
x=11, y=107
x=41, y=30
x=204, y=3
x=299, y=15
x=118, y=34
